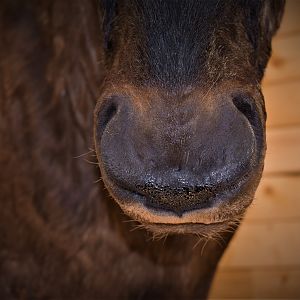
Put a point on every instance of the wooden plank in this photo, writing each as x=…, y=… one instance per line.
x=277, y=199
x=264, y=244
x=283, y=104
x=283, y=153
x=279, y=283
x=284, y=64
x=290, y=22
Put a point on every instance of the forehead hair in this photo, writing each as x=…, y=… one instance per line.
x=178, y=42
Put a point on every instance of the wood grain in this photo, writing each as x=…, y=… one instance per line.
x=290, y=23
x=282, y=104
x=283, y=153
x=265, y=244
x=277, y=199
x=257, y=283
x=284, y=64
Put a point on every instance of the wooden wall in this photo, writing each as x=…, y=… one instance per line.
x=263, y=260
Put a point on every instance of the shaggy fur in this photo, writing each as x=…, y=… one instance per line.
x=62, y=236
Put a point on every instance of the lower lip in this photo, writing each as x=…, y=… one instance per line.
x=187, y=228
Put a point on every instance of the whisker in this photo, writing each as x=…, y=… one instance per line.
x=215, y=239
x=218, y=235
x=98, y=180
x=136, y=227
x=158, y=236
x=91, y=162
x=165, y=238
x=203, y=247
x=200, y=238
x=129, y=221
x=83, y=154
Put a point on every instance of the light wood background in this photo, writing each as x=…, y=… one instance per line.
x=263, y=260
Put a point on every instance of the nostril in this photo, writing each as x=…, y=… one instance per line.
x=106, y=113
x=110, y=112
x=246, y=106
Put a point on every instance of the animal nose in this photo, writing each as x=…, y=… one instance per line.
x=175, y=191
x=180, y=163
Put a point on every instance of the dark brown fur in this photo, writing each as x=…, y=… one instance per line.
x=61, y=235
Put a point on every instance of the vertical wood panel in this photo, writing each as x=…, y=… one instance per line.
x=283, y=104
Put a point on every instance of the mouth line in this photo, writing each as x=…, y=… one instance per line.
x=125, y=194
x=134, y=205
x=190, y=224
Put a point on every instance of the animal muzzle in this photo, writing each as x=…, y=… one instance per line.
x=177, y=157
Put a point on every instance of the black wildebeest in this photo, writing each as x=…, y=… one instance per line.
x=168, y=94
